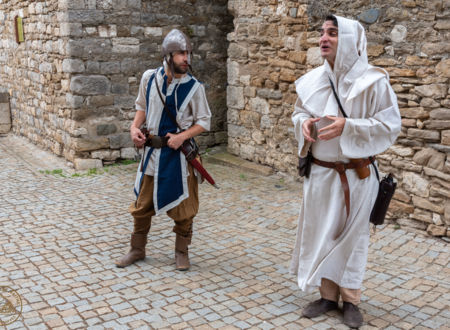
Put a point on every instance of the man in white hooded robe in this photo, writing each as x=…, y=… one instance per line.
x=331, y=247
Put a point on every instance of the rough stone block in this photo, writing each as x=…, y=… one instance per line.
x=402, y=151
x=100, y=100
x=124, y=101
x=106, y=154
x=5, y=128
x=71, y=30
x=236, y=131
x=153, y=31
x=297, y=57
x=233, y=72
x=442, y=114
x=416, y=184
x=86, y=164
x=92, y=67
x=80, y=144
x=106, y=129
x=369, y=16
x=445, y=137
x=5, y=118
x=269, y=93
x=427, y=205
x=442, y=24
x=74, y=101
x=434, y=48
x=443, y=68
x=236, y=51
x=119, y=88
x=424, y=134
x=397, y=208
x=397, y=72
x=129, y=153
x=4, y=98
x=109, y=68
x=72, y=66
x=399, y=33
x=375, y=50
x=313, y=56
x=125, y=45
x=86, y=16
x=90, y=85
x=447, y=212
x=107, y=31
x=235, y=97
x=428, y=102
x=122, y=140
x=130, y=66
x=259, y=105
x=45, y=67
x=417, y=112
x=436, y=230
x=433, y=90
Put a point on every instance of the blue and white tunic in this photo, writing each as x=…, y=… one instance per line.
x=185, y=97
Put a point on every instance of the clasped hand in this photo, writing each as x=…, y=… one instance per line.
x=175, y=140
x=138, y=137
x=325, y=133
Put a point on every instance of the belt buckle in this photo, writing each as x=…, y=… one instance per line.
x=156, y=141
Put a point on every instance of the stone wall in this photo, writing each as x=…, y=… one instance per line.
x=276, y=41
x=5, y=113
x=74, y=80
x=29, y=71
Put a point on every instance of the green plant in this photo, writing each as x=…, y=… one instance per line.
x=92, y=171
x=53, y=172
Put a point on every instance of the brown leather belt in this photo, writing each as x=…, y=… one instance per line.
x=156, y=141
x=341, y=168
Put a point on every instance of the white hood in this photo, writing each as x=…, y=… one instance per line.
x=351, y=73
x=351, y=48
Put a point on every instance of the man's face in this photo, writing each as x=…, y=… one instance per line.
x=180, y=62
x=328, y=41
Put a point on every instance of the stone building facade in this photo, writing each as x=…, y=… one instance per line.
x=74, y=80
x=274, y=42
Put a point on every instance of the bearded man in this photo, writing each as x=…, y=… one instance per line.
x=333, y=230
x=172, y=104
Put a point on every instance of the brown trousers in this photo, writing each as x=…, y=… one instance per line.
x=183, y=214
x=331, y=291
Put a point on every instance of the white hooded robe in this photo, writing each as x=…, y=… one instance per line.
x=373, y=125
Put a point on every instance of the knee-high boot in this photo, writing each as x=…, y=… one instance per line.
x=137, y=251
x=182, y=251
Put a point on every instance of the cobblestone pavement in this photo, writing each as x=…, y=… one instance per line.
x=60, y=234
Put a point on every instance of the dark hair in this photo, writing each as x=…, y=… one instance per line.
x=333, y=18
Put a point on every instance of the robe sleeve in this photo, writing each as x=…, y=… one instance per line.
x=141, y=101
x=364, y=137
x=299, y=116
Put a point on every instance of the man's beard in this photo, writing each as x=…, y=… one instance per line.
x=178, y=69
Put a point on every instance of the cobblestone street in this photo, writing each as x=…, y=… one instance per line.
x=61, y=233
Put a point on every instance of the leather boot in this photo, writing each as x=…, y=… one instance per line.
x=137, y=251
x=319, y=307
x=181, y=252
x=352, y=316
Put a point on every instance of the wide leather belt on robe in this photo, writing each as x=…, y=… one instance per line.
x=341, y=168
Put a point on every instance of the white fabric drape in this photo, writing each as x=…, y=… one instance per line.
x=373, y=125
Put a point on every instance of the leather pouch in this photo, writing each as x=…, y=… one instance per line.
x=385, y=192
x=304, y=165
x=363, y=172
